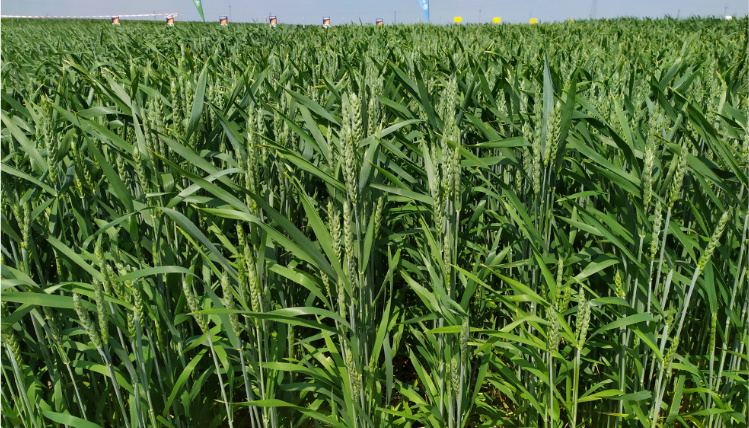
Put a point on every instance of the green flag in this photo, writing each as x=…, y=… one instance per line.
x=199, y=5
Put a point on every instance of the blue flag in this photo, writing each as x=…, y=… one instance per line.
x=425, y=8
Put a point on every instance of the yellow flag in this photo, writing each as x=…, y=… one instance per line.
x=534, y=20
x=458, y=19
x=497, y=20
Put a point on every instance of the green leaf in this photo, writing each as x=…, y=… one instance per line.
x=74, y=257
x=67, y=419
x=198, y=103
x=7, y=169
x=313, y=107
x=116, y=185
x=27, y=145
x=159, y=270
x=183, y=377
x=39, y=299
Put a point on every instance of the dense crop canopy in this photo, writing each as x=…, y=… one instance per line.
x=375, y=226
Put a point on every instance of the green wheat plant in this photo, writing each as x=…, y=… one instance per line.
x=362, y=226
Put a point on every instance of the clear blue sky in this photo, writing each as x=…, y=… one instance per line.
x=407, y=11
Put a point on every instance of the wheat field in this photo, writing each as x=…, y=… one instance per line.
x=361, y=226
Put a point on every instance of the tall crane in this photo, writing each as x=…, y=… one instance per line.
x=593, y=8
